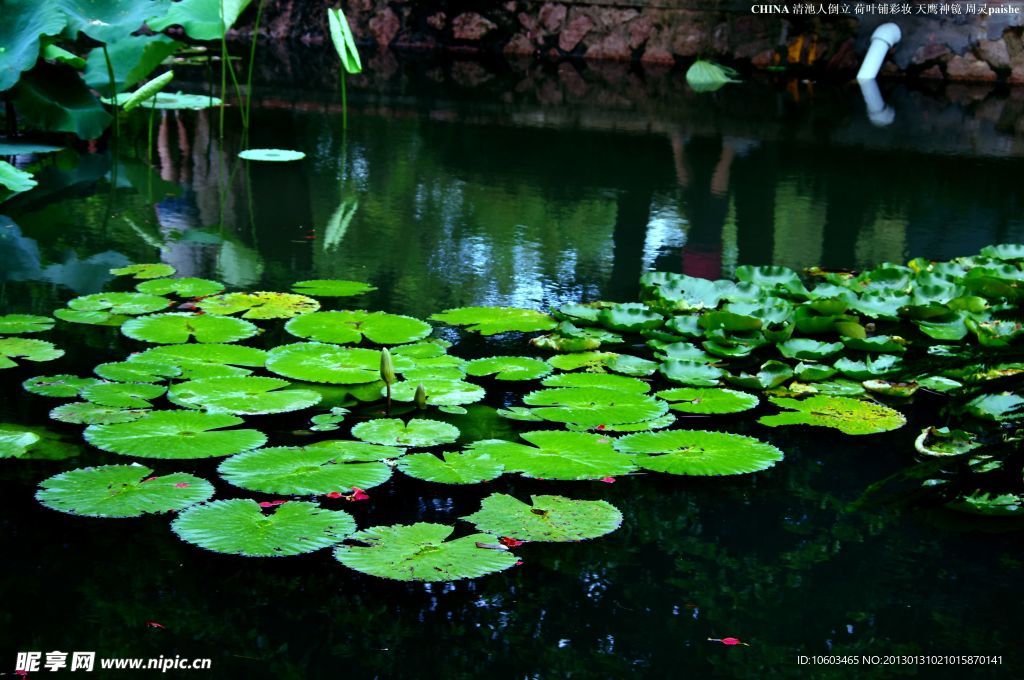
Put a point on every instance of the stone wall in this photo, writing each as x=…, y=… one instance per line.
x=954, y=47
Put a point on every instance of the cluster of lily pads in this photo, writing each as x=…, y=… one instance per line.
x=606, y=384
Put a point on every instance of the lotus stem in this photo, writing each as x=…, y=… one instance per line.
x=113, y=92
x=421, y=397
x=344, y=101
x=252, y=63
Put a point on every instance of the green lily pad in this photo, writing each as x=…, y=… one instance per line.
x=509, y=368
x=888, y=388
x=88, y=413
x=772, y=374
x=577, y=360
x=850, y=416
x=240, y=527
x=90, y=318
x=274, y=155
x=145, y=271
x=331, y=288
x=878, y=344
x=168, y=101
x=175, y=435
x=242, y=396
x=122, y=395
x=708, y=400
x=351, y=326
x=683, y=351
x=696, y=452
x=871, y=367
x=692, y=373
x=812, y=372
x=630, y=316
x=322, y=363
x=989, y=504
x=593, y=406
x=439, y=392
x=25, y=348
x=15, y=443
x=57, y=385
x=419, y=552
x=187, y=287
x=138, y=371
x=349, y=451
x=121, y=491
x=683, y=293
x=806, y=349
x=493, y=320
x=942, y=441
x=643, y=426
x=119, y=303
x=519, y=413
x=301, y=471
x=451, y=468
x=558, y=455
x=259, y=305
x=207, y=360
x=14, y=324
x=549, y=518
x=42, y=444
x=999, y=407
x=180, y=327
x=1004, y=251
x=418, y=432
x=601, y=380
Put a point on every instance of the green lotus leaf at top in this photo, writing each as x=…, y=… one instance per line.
x=26, y=348
x=806, y=349
x=684, y=293
x=351, y=326
x=850, y=416
x=140, y=371
x=630, y=365
x=578, y=360
x=201, y=19
x=452, y=468
x=119, y=303
x=331, y=288
x=416, y=433
x=998, y=407
x=557, y=455
x=15, y=443
x=630, y=316
x=420, y=552
x=812, y=372
x=272, y=155
x=15, y=324
x=251, y=395
x=509, y=368
x=88, y=413
x=872, y=367
x=259, y=305
x=240, y=527
x=439, y=392
x=175, y=435
x=771, y=277
x=1004, y=251
x=121, y=491
x=207, y=360
x=708, y=400
x=590, y=407
x=25, y=23
x=187, y=287
x=99, y=318
x=548, y=518
x=682, y=351
x=696, y=452
x=57, y=385
x=145, y=271
x=301, y=471
x=323, y=363
x=603, y=380
x=692, y=373
x=494, y=320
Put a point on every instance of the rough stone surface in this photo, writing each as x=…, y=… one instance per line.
x=930, y=52
x=574, y=32
x=384, y=26
x=552, y=17
x=994, y=52
x=968, y=67
x=471, y=26
x=612, y=46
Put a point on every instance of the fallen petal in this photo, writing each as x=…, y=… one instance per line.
x=608, y=480
x=181, y=485
x=510, y=542
x=154, y=624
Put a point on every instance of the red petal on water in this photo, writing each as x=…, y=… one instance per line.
x=181, y=485
x=335, y=494
x=147, y=479
x=271, y=504
x=519, y=563
x=154, y=624
x=510, y=542
x=730, y=641
x=608, y=480
x=357, y=495
x=600, y=427
x=187, y=305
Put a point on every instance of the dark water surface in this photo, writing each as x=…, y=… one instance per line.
x=447, y=196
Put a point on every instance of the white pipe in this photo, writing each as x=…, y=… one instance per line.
x=882, y=40
x=879, y=113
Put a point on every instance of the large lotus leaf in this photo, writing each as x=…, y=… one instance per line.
x=880, y=304
x=850, y=416
x=812, y=372
x=122, y=395
x=942, y=441
x=770, y=277
x=119, y=303
x=50, y=445
x=558, y=455
x=350, y=326
x=168, y=101
x=453, y=468
x=57, y=385
x=686, y=325
x=439, y=392
x=240, y=527
x=630, y=365
x=1004, y=251
x=509, y=368
x=25, y=348
x=322, y=363
x=604, y=380
x=331, y=288
x=593, y=406
x=139, y=371
x=259, y=305
x=132, y=59
x=109, y=20
x=708, y=400
x=807, y=349
x=54, y=98
x=14, y=324
x=871, y=367
x=15, y=443
x=418, y=432
x=419, y=552
x=493, y=320
x=1003, y=406
x=209, y=360
x=88, y=413
x=242, y=396
x=549, y=518
x=696, y=452
x=24, y=23
x=686, y=293
x=175, y=434
x=630, y=316
x=348, y=451
x=431, y=349
x=729, y=321
x=577, y=360
x=442, y=372
x=271, y=155
x=569, y=338
x=121, y=491
x=187, y=287
x=643, y=426
x=299, y=471
x=202, y=19
x=996, y=333
x=14, y=180
x=877, y=344
x=682, y=351
x=90, y=318
x=989, y=504
x=772, y=374
x=692, y=373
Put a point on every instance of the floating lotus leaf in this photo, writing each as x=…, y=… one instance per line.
x=300, y=471
x=431, y=349
x=840, y=388
x=593, y=406
x=586, y=313
x=439, y=392
x=137, y=371
x=122, y=395
x=331, y=288
x=519, y=413
x=850, y=416
x=418, y=432
x=629, y=316
x=630, y=365
x=443, y=373
x=508, y=368
x=274, y=155
x=38, y=444
x=770, y=277
x=240, y=527
x=451, y=468
x=322, y=363
x=888, y=388
x=175, y=434
x=878, y=344
x=812, y=372
x=259, y=305
x=15, y=443
x=807, y=349
x=419, y=552
x=25, y=348
x=180, y=327
x=208, y=360
x=119, y=303
x=558, y=455
x=1005, y=251
x=145, y=271
x=185, y=287
x=684, y=351
x=938, y=383
x=350, y=327
x=348, y=451
x=493, y=320
x=602, y=380
x=708, y=400
x=88, y=413
x=652, y=424
x=686, y=325
x=121, y=491
x=684, y=293
x=729, y=321
x=57, y=385
x=1003, y=406
x=942, y=441
x=691, y=373
x=577, y=360
x=14, y=324
x=242, y=396
x=90, y=318
x=871, y=367
x=989, y=504
x=169, y=101
x=696, y=452
x=772, y=374
x=549, y=518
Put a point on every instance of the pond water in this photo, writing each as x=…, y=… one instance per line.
x=444, y=195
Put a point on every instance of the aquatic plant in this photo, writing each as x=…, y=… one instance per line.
x=345, y=45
